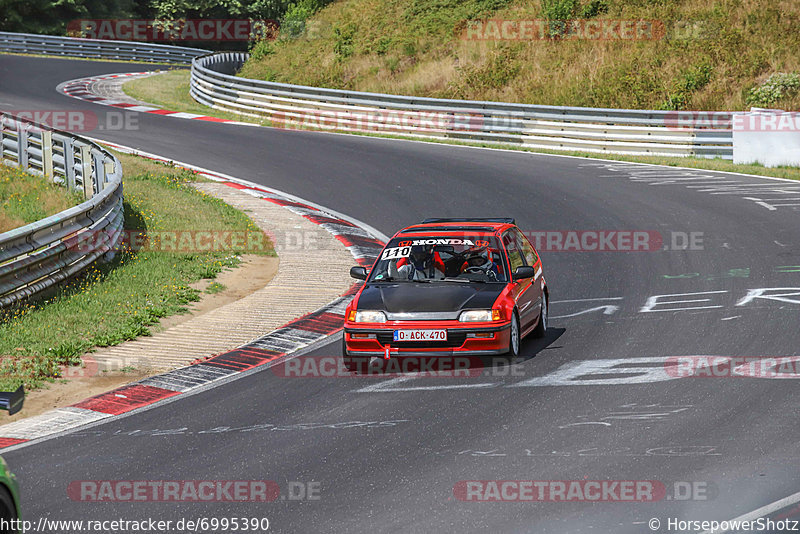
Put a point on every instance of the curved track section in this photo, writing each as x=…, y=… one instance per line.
x=598, y=399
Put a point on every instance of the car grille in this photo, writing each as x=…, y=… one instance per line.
x=453, y=340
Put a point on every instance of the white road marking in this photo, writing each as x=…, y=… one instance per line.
x=602, y=423
x=607, y=310
x=760, y=512
x=653, y=301
x=586, y=300
x=579, y=373
x=761, y=293
x=387, y=386
x=718, y=183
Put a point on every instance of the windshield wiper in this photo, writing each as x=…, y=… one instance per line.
x=463, y=280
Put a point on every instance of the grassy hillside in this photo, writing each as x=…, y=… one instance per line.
x=715, y=54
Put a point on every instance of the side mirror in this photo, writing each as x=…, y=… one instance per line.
x=358, y=272
x=523, y=272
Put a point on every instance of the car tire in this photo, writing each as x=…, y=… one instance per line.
x=514, y=338
x=354, y=364
x=8, y=510
x=541, y=328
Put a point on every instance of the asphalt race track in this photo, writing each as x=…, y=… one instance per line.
x=386, y=453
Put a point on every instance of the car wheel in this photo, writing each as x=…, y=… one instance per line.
x=8, y=511
x=514, y=337
x=354, y=364
x=541, y=328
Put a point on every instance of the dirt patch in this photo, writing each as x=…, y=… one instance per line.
x=253, y=273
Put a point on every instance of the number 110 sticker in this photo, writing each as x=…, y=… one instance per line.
x=396, y=252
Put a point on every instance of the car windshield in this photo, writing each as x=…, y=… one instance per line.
x=465, y=259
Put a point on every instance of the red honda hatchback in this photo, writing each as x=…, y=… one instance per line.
x=471, y=287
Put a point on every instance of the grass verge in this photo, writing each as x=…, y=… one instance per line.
x=26, y=198
x=170, y=90
x=793, y=173
x=117, y=301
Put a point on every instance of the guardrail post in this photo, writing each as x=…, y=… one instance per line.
x=22, y=146
x=109, y=167
x=99, y=171
x=69, y=164
x=47, y=154
x=2, y=137
x=86, y=171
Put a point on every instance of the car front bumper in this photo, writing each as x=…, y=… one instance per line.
x=481, y=339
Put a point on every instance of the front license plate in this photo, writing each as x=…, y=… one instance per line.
x=420, y=335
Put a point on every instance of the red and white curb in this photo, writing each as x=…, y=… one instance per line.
x=364, y=243
x=81, y=88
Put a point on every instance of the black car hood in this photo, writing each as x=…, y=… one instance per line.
x=408, y=297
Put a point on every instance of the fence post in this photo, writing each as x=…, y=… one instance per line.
x=22, y=146
x=99, y=171
x=86, y=171
x=47, y=154
x=2, y=137
x=69, y=164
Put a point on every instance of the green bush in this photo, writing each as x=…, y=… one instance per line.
x=777, y=87
x=343, y=37
x=261, y=49
x=557, y=12
x=594, y=8
x=691, y=81
x=384, y=43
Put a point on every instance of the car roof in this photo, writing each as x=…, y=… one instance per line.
x=460, y=226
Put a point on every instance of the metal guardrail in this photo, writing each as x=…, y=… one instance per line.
x=37, y=256
x=599, y=130
x=613, y=131
x=26, y=43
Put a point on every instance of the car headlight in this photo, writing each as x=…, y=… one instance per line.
x=470, y=316
x=370, y=316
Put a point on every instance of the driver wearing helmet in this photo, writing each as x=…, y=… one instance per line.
x=479, y=259
x=422, y=264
